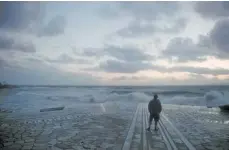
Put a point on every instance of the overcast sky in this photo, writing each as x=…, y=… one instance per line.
x=114, y=43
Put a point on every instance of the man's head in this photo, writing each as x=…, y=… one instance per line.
x=155, y=96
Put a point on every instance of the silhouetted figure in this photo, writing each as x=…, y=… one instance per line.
x=154, y=108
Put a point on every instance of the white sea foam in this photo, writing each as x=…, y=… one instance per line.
x=37, y=98
x=216, y=98
x=132, y=97
x=184, y=100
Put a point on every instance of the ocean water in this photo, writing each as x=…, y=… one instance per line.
x=34, y=98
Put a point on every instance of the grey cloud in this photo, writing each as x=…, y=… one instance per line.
x=184, y=49
x=196, y=76
x=89, y=52
x=123, y=67
x=213, y=44
x=8, y=43
x=149, y=10
x=212, y=10
x=36, y=60
x=220, y=35
x=122, y=78
x=42, y=74
x=204, y=42
x=122, y=53
x=6, y=63
x=132, y=67
x=178, y=26
x=95, y=52
x=137, y=29
x=2, y=63
x=36, y=71
x=193, y=77
x=19, y=15
x=127, y=53
x=109, y=10
x=54, y=27
x=29, y=17
x=200, y=70
x=66, y=59
x=63, y=58
x=25, y=47
x=198, y=79
x=139, y=10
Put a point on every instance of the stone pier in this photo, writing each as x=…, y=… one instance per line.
x=115, y=127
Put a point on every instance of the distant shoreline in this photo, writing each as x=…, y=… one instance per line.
x=7, y=86
x=117, y=85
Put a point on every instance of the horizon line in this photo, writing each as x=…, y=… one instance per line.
x=118, y=85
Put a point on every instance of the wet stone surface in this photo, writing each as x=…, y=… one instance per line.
x=204, y=128
x=135, y=144
x=64, y=130
x=106, y=129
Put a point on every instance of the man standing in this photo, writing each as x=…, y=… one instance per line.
x=154, y=108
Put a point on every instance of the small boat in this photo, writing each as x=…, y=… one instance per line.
x=52, y=109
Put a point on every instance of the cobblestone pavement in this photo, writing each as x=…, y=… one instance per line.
x=206, y=129
x=115, y=127
x=91, y=127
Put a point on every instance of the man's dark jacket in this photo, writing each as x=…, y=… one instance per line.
x=154, y=106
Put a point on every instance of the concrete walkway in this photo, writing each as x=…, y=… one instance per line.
x=168, y=136
x=180, y=128
x=122, y=128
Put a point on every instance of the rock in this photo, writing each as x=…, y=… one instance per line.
x=62, y=146
x=8, y=144
x=29, y=140
x=159, y=145
x=19, y=142
x=14, y=147
x=27, y=147
x=52, y=109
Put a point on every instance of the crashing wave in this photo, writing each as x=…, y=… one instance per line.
x=71, y=96
x=216, y=99
x=165, y=93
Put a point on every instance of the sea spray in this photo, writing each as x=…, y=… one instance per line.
x=35, y=98
x=216, y=98
x=183, y=100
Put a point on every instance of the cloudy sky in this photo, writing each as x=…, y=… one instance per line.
x=114, y=43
